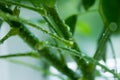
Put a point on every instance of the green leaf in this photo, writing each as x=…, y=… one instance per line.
x=110, y=12
x=71, y=22
x=97, y=73
x=87, y=3
x=83, y=28
x=110, y=9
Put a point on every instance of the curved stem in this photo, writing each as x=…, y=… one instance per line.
x=30, y=54
x=89, y=59
x=37, y=68
x=10, y=17
x=39, y=10
x=102, y=42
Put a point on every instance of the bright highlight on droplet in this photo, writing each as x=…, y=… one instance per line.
x=71, y=43
x=113, y=26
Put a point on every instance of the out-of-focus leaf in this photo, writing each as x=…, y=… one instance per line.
x=87, y=3
x=71, y=22
x=84, y=28
x=110, y=12
x=97, y=73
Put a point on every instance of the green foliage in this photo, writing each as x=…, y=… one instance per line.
x=59, y=41
x=71, y=22
x=110, y=10
x=110, y=13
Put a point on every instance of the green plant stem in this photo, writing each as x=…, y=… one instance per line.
x=64, y=29
x=102, y=42
x=63, y=68
x=30, y=54
x=50, y=25
x=98, y=54
x=12, y=32
x=46, y=53
x=32, y=41
x=39, y=10
x=10, y=17
x=37, y=68
x=52, y=29
x=89, y=60
x=68, y=36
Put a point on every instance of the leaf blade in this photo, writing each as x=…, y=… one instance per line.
x=71, y=22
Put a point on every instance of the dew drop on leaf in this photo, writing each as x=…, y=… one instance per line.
x=71, y=43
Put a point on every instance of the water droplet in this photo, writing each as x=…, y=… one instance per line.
x=113, y=26
x=87, y=62
x=71, y=43
x=68, y=28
